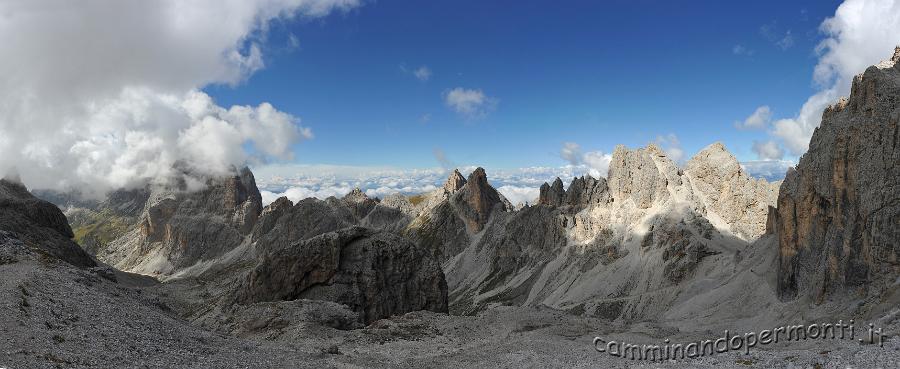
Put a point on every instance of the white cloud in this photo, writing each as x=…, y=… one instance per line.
x=301, y=181
x=595, y=162
x=672, y=146
x=299, y=193
x=742, y=50
x=101, y=94
x=758, y=120
x=771, y=32
x=520, y=195
x=768, y=150
x=860, y=34
x=598, y=163
x=423, y=73
x=571, y=152
x=470, y=103
x=786, y=42
x=770, y=170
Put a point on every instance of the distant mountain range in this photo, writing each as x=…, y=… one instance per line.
x=654, y=251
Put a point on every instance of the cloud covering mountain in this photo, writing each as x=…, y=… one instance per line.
x=121, y=103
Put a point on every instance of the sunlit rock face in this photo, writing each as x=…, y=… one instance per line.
x=623, y=247
x=727, y=189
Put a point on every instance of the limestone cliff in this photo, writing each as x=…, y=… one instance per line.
x=838, y=220
x=181, y=226
x=724, y=187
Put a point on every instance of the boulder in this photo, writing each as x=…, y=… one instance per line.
x=377, y=274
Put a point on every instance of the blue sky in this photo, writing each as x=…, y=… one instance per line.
x=320, y=96
x=621, y=72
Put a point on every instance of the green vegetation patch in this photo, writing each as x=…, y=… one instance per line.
x=417, y=199
x=101, y=228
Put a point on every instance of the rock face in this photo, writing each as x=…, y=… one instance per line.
x=476, y=200
x=634, y=175
x=741, y=201
x=96, y=225
x=440, y=230
x=377, y=274
x=587, y=191
x=39, y=224
x=360, y=205
x=623, y=248
x=455, y=182
x=838, y=221
x=583, y=191
x=283, y=224
x=448, y=217
x=233, y=199
x=180, y=226
x=400, y=202
x=552, y=195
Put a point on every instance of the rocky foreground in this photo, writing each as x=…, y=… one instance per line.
x=176, y=276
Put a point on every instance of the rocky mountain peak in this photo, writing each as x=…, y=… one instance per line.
x=13, y=188
x=359, y=203
x=641, y=175
x=355, y=196
x=654, y=149
x=722, y=186
x=12, y=176
x=454, y=182
x=553, y=195
x=557, y=184
x=715, y=158
x=478, y=178
x=587, y=190
x=40, y=224
x=477, y=199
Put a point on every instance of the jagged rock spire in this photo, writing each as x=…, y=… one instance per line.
x=477, y=200
x=582, y=191
x=455, y=181
x=552, y=195
x=357, y=195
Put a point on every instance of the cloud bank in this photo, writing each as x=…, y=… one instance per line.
x=107, y=94
x=518, y=185
x=297, y=182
